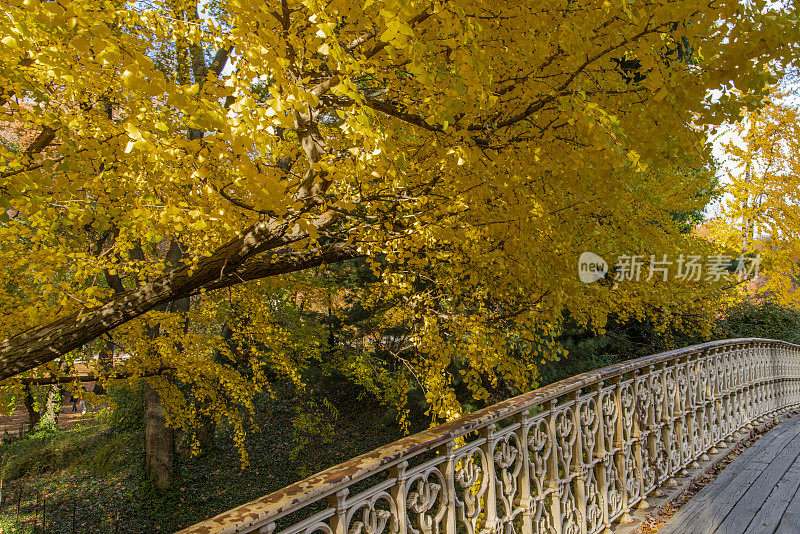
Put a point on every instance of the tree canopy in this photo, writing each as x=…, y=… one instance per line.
x=470, y=151
x=760, y=213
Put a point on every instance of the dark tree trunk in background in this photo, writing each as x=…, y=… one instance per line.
x=159, y=441
x=106, y=356
x=205, y=435
x=33, y=415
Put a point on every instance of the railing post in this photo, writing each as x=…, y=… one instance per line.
x=693, y=403
x=679, y=414
x=752, y=355
x=738, y=390
x=763, y=398
x=751, y=390
x=783, y=371
x=716, y=403
x=490, y=507
x=747, y=384
x=773, y=379
x=449, y=473
x=749, y=381
x=398, y=492
x=619, y=453
x=786, y=372
x=704, y=402
x=600, y=454
x=725, y=396
x=733, y=395
x=792, y=373
x=755, y=355
x=552, y=469
x=638, y=444
x=339, y=520
x=578, y=480
x=653, y=430
x=794, y=353
x=787, y=377
x=667, y=422
x=792, y=357
x=649, y=439
x=524, y=477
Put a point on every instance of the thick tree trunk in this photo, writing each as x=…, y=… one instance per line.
x=159, y=438
x=33, y=415
x=231, y=264
x=159, y=441
x=205, y=434
x=52, y=407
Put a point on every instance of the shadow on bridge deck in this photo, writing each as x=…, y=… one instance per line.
x=757, y=493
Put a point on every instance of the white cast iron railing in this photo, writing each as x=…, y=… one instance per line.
x=572, y=457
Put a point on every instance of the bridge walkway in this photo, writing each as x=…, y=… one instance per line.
x=758, y=493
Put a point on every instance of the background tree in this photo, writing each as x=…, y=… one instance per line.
x=760, y=212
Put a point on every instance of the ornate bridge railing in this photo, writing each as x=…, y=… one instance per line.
x=572, y=457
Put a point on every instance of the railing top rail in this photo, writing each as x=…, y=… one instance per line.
x=279, y=503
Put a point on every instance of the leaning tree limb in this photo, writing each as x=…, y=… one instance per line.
x=233, y=263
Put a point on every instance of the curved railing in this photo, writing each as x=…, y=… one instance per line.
x=572, y=457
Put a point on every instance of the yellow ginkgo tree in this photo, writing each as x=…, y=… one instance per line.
x=761, y=211
x=469, y=150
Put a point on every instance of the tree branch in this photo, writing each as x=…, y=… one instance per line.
x=226, y=266
x=42, y=141
x=46, y=381
x=289, y=261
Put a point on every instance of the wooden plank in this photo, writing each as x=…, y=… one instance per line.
x=766, y=486
x=755, y=458
x=790, y=520
x=769, y=516
x=707, y=510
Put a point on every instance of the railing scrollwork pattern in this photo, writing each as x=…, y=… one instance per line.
x=571, y=458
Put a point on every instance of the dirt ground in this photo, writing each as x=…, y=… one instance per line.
x=66, y=419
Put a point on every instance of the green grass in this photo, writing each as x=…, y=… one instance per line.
x=92, y=448
x=104, y=469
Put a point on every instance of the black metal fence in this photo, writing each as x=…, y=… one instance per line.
x=26, y=509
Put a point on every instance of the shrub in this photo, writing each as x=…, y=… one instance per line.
x=760, y=318
x=127, y=408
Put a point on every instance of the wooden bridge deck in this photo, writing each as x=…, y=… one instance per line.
x=758, y=493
